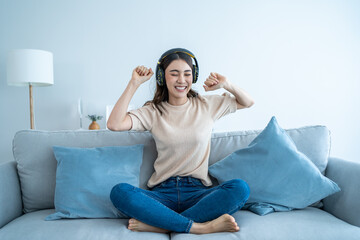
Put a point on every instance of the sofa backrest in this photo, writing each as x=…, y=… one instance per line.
x=37, y=165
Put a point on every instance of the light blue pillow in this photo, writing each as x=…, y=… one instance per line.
x=85, y=177
x=279, y=176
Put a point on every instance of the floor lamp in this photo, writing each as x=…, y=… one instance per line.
x=30, y=67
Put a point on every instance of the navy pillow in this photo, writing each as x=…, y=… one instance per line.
x=279, y=176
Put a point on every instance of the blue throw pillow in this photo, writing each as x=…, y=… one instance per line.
x=85, y=177
x=279, y=176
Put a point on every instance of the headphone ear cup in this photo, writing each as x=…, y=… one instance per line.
x=195, y=74
x=160, y=76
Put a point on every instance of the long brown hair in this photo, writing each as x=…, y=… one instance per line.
x=162, y=92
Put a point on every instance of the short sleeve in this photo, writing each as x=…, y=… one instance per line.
x=142, y=118
x=221, y=105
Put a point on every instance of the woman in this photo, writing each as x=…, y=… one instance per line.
x=179, y=198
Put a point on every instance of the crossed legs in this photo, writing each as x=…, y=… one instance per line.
x=149, y=211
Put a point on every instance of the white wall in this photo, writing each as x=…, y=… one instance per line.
x=299, y=60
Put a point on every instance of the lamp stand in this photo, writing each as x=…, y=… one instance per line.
x=31, y=106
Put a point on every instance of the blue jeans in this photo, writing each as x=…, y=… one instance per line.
x=179, y=201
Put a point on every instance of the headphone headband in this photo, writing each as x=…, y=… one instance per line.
x=160, y=74
x=176, y=50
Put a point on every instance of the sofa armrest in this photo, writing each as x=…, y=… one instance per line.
x=10, y=195
x=344, y=204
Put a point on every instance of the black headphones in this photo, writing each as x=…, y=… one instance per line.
x=160, y=74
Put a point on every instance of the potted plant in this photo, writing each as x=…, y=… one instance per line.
x=94, y=125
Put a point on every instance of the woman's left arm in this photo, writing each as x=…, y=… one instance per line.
x=217, y=81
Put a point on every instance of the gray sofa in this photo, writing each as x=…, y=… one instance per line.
x=27, y=187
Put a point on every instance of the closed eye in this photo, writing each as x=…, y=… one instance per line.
x=175, y=75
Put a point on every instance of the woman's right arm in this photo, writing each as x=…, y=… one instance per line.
x=119, y=119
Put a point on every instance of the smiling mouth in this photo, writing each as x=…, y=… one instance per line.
x=181, y=88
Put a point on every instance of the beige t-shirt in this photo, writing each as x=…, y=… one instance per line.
x=182, y=135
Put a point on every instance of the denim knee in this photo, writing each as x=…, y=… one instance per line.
x=239, y=186
x=119, y=192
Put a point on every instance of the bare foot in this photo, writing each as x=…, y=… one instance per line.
x=224, y=223
x=137, y=226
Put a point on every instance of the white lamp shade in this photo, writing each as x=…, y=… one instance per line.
x=30, y=66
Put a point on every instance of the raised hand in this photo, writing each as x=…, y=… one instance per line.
x=141, y=74
x=215, y=81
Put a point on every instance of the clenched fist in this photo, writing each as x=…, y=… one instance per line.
x=141, y=74
x=215, y=81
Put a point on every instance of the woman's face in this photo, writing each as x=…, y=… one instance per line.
x=179, y=78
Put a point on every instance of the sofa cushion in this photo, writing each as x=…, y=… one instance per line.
x=85, y=177
x=309, y=223
x=313, y=141
x=32, y=226
x=279, y=176
x=37, y=165
x=305, y=224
